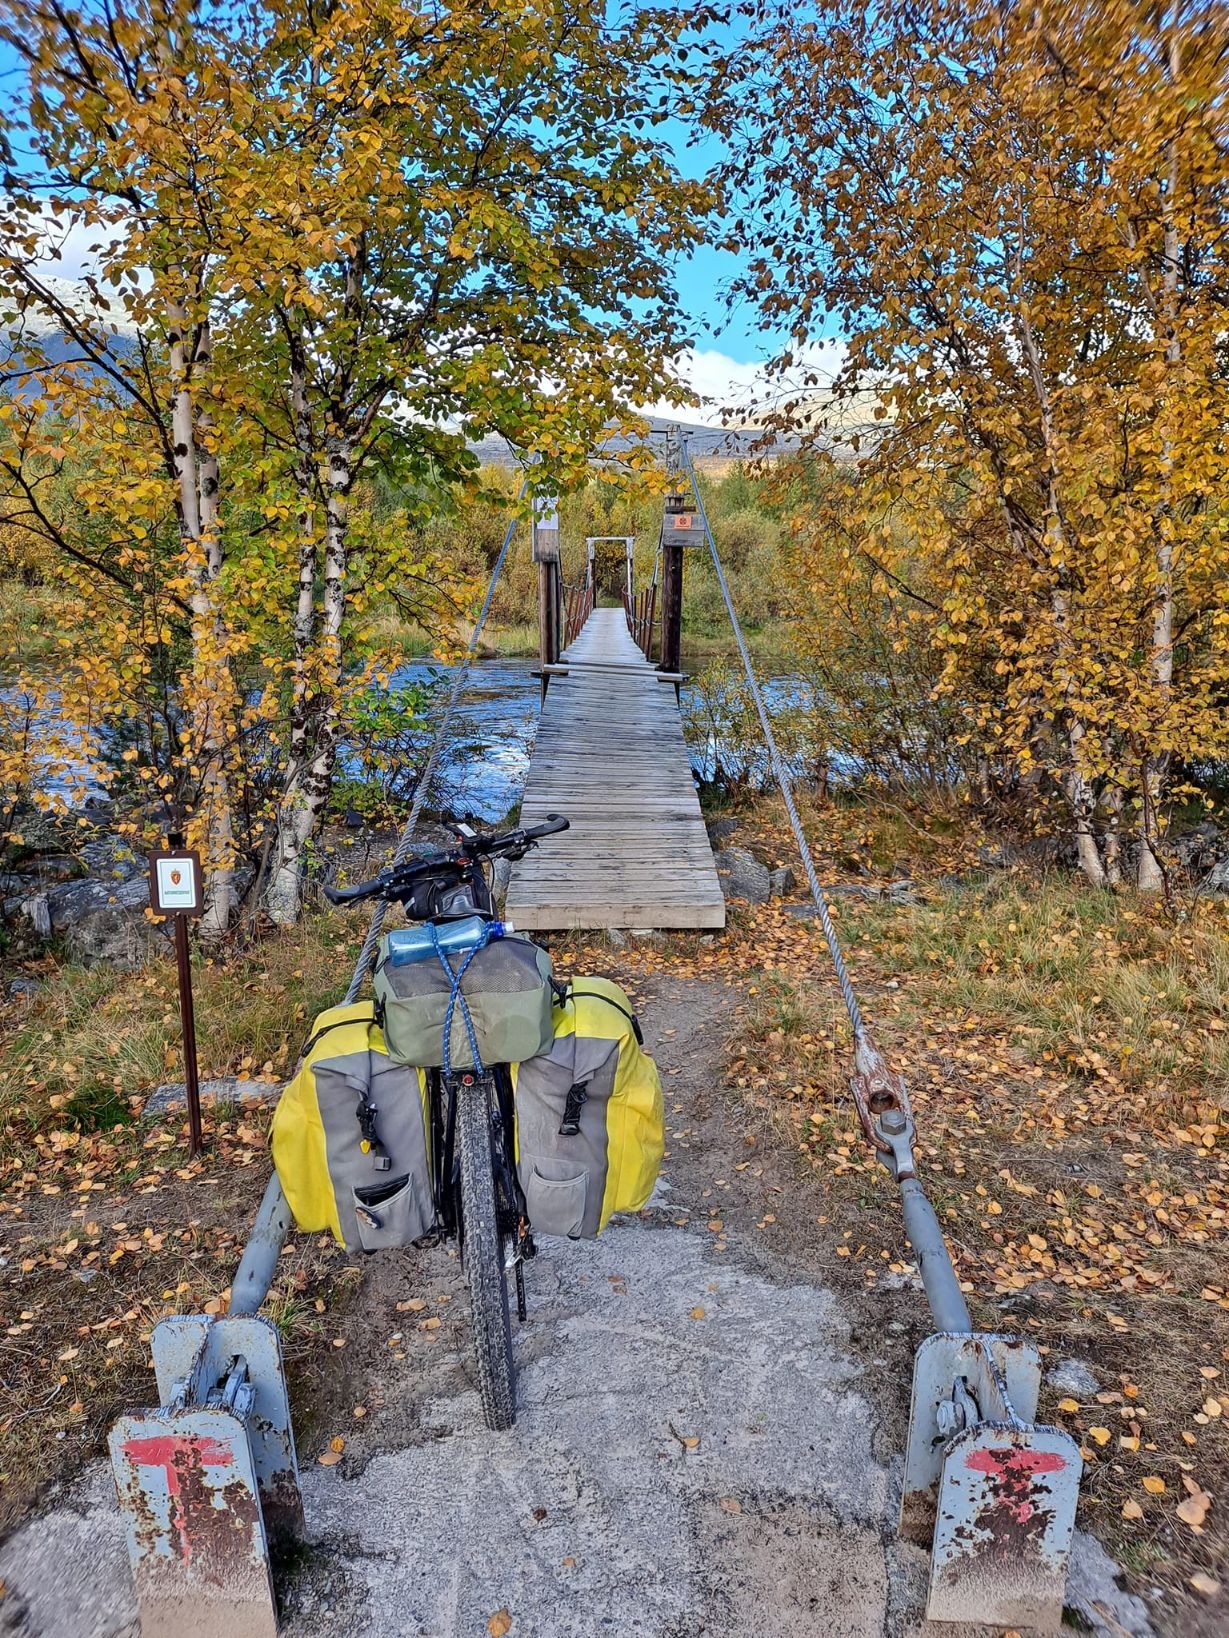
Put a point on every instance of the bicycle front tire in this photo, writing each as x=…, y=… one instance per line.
x=485, y=1274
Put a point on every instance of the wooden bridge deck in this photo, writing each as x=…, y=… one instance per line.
x=610, y=757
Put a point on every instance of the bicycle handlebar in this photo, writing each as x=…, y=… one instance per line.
x=551, y=826
x=392, y=884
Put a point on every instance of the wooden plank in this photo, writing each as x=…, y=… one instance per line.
x=610, y=756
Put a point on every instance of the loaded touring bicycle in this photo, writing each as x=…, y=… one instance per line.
x=476, y=1095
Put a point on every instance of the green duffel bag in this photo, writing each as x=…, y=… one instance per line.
x=507, y=989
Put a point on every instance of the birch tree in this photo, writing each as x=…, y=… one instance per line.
x=113, y=115
x=478, y=239
x=1017, y=218
x=341, y=242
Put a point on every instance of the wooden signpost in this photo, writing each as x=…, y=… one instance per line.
x=175, y=890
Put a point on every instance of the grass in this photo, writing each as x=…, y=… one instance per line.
x=519, y=640
x=94, y=1041
x=105, y=1223
x=1094, y=981
x=1067, y=1053
x=390, y=632
x=29, y=624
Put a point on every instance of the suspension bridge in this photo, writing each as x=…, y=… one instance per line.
x=610, y=753
x=610, y=756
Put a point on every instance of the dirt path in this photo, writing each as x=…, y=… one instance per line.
x=708, y=1437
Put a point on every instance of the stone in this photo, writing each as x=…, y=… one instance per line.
x=112, y=859
x=1217, y=879
x=45, y=869
x=23, y=989
x=104, y=921
x=742, y=876
x=720, y=830
x=998, y=855
x=781, y=882
x=1096, y=1592
x=616, y=937
x=1074, y=1377
x=903, y=892
x=227, y=1091
x=1049, y=852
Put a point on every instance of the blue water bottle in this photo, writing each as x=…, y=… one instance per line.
x=407, y=945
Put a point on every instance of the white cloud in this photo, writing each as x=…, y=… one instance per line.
x=70, y=247
x=742, y=388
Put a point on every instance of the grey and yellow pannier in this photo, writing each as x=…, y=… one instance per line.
x=350, y=1136
x=589, y=1116
x=507, y=990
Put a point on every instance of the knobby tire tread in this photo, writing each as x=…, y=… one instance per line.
x=484, y=1262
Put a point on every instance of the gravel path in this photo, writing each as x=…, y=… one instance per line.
x=707, y=1440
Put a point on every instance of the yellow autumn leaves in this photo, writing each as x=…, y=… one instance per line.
x=1012, y=537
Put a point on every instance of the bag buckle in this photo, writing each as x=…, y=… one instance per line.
x=380, y=1157
x=577, y=1096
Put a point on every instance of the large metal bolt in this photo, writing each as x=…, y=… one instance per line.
x=893, y=1122
x=949, y=1418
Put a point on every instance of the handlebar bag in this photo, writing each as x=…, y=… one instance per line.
x=590, y=1121
x=325, y=1155
x=507, y=989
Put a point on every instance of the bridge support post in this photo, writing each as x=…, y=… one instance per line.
x=671, y=608
x=680, y=528
x=550, y=585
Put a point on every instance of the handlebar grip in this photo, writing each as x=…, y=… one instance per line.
x=553, y=824
x=350, y=895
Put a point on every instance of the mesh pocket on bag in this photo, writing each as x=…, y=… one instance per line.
x=556, y=1204
x=389, y=1214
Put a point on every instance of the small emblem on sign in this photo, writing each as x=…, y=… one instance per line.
x=177, y=877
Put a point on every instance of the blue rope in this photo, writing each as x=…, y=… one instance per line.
x=455, y=995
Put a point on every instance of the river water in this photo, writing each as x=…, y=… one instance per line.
x=482, y=767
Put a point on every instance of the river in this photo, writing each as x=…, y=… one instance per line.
x=482, y=768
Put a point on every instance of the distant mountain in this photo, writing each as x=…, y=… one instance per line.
x=704, y=443
x=745, y=440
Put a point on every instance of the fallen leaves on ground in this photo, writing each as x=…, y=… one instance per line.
x=1075, y=1142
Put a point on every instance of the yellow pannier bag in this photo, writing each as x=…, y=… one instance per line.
x=590, y=1122
x=351, y=1136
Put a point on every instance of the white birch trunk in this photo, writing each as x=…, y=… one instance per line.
x=282, y=896
x=1083, y=807
x=1079, y=793
x=1151, y=875
x=309, y=782
x=196, y=470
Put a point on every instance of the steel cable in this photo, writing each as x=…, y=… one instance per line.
x=780, y=772
x=367, y=953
